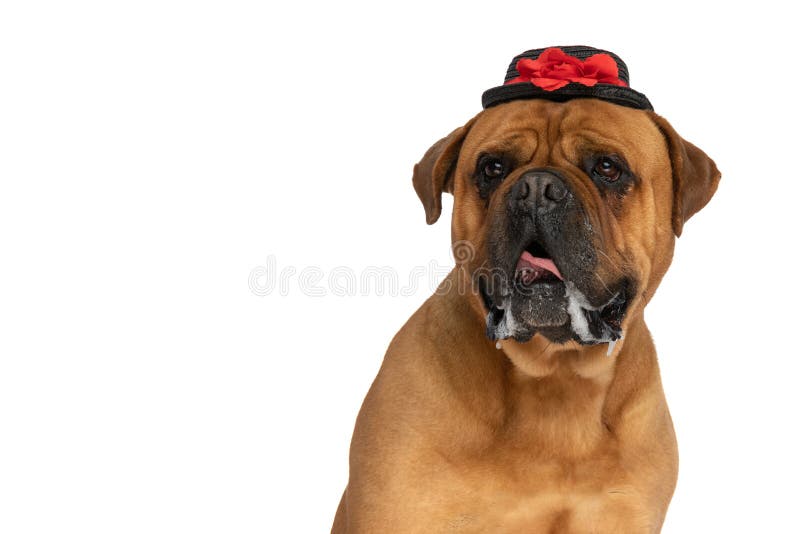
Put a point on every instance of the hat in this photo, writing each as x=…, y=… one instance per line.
x=567, y=72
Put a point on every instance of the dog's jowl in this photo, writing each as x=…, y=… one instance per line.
x=524, y=395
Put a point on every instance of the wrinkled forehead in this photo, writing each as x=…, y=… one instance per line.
x=523, y=128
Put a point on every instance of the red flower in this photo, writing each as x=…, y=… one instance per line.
x=554, y=69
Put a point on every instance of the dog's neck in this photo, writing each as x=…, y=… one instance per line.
x=566, y=397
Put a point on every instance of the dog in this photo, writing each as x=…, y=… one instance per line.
x=524, y=395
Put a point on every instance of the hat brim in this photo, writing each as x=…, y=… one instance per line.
x=623, y=96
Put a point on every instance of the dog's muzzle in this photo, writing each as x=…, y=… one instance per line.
x=543, y=268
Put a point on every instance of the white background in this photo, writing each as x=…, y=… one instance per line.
x=153, y=154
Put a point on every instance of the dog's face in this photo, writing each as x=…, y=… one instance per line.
x=569, y=211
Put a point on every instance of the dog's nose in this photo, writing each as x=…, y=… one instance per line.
x=542, y=190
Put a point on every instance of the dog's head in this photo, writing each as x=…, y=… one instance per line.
x=569, y=211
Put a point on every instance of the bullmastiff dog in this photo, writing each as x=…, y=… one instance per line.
x=524, y=396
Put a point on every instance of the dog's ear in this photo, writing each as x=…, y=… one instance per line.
x=434, y=172
x=694, y=175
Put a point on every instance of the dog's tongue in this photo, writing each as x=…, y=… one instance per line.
x=529, y=261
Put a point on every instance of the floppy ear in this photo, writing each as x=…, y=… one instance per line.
x=433, y=174
x=694, y=175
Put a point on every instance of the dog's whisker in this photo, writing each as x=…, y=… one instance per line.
x=604, y=284
x=611, y=262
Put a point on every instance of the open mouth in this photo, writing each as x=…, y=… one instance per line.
x=540, y=300
x=535, y=265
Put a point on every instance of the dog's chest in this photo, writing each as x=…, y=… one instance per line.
x=558, y=514
x=593, y=497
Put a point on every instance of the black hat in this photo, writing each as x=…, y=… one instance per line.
x=567, y=72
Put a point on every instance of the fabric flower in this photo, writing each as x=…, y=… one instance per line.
x=554, y=69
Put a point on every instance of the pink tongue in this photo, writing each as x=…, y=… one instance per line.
x=532, y=262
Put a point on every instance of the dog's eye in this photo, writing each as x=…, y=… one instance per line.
x=490, y=171
x=494, y=169
x=607, y=169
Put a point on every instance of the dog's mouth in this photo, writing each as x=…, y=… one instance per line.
x=536, y=266
x=538, y=298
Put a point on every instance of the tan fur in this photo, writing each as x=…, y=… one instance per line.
x=458, y=436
